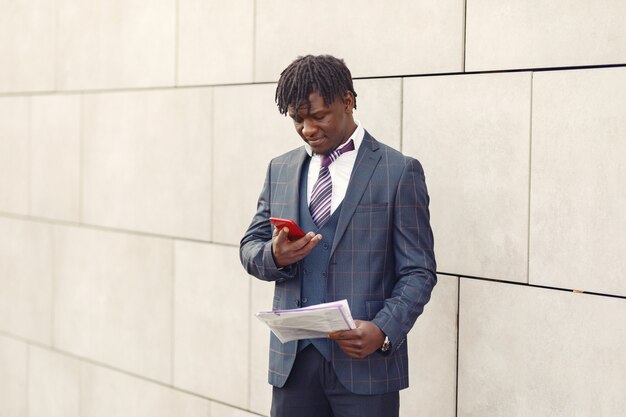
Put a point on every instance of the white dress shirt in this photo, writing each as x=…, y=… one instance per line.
x=340, y=170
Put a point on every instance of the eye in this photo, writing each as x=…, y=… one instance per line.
x=296, y=119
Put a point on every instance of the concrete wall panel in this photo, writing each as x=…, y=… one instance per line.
x=535, y=352
x=54, y=384
x=13, y=378
x=215, y=42
x=147, y=161
x=113, y=299
x=27, y=43
x=243, y=148
x=374, y=38
x=260, y=390
x=106, y=393
x=14, y=154
x=432, y=356
x=578, y=228
x=26, y=261
x=539, y=34
x=379, y=108
x=477, y=168
x=115, y=44
x=212, y=316
x=55, y=157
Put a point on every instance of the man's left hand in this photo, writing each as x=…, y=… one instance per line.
x=360, y=342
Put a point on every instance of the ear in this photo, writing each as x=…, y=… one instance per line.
x=348, y=102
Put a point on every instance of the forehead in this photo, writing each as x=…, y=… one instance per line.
x=314, y=103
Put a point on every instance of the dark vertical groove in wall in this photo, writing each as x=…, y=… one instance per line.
x=464, y=33
x=530, y=177
x=458, y=342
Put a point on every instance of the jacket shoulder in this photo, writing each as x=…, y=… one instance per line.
x=390, y=154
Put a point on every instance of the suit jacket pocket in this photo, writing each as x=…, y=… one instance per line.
x=373, y=307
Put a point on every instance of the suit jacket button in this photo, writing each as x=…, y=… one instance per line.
x=325, y=246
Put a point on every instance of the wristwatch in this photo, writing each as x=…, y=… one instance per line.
x=386, y=345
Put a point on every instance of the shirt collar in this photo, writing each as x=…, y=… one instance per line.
x=356, y=136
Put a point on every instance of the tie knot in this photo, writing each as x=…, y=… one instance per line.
x=328, y=159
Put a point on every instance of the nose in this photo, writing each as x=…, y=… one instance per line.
x=309, y=128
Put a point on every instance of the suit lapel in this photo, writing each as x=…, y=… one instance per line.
x=364, y=166
x=291, y=175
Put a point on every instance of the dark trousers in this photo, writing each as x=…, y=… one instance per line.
x=313, y=390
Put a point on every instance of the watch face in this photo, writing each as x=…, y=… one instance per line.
x=386, y=345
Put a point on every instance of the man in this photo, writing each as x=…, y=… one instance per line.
x=369, y=241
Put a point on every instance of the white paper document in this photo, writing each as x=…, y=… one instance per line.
x=308, y=322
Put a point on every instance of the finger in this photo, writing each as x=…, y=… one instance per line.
x=353, y=352
x=344, y=335
x=303, y=241
x=313, y=242
x=282, y=235
x=308, y=245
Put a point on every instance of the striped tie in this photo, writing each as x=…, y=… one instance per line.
x=323, y=188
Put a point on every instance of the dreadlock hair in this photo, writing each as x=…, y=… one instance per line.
x=323, y=74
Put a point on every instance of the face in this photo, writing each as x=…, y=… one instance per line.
x=324, y=127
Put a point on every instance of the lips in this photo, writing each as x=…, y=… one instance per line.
x=313, y=141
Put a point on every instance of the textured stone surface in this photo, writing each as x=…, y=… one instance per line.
x=27, y=42
x=106, y=393
x=374, y=38
x=54, y=384
x=432, y=356
x=14, y=154
x=113, y=299
x=115, y=44
x=215, y=41
x=26, y=260
x=13, y=378
x=379, y=108
x=55, y=157
x=260, y=390
x=535, y=352
x=211, y=352
x=578, y=228
x=477, y=168
x=147, y=161
x=537, y=33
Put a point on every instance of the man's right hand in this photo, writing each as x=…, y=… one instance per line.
x=287, y=252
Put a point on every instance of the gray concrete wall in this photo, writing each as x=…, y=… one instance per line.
x=134, y=137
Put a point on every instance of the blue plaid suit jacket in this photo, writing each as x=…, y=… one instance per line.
x=382, y=259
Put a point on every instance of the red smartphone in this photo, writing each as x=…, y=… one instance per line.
x=294, y=231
